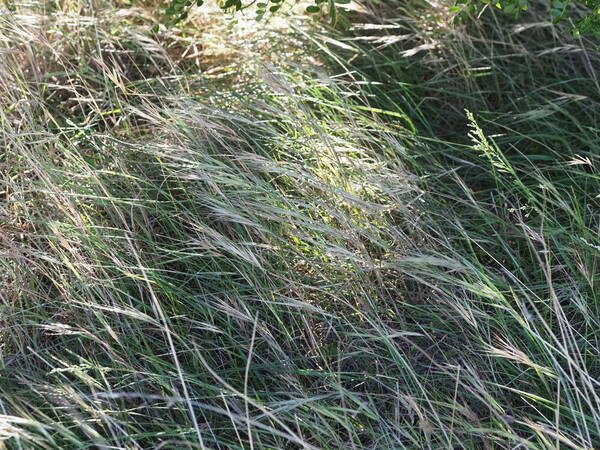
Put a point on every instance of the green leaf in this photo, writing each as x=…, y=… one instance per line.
x=332, y=11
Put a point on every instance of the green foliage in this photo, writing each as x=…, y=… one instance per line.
x=178, y=9
x=588, y=22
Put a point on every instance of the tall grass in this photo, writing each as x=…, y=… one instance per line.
x=204, y=247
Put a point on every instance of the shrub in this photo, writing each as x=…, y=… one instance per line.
x=588, y=21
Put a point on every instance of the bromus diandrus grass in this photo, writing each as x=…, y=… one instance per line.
x=284, y=252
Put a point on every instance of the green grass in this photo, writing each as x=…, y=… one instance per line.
x=384, y=237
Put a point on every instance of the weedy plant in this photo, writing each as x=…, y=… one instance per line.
x=385, y=238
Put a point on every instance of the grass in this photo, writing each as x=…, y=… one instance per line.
x=309, y=245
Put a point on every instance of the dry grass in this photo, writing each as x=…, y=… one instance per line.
x=295, y=237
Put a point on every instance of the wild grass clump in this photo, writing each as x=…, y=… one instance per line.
x=207, y=250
